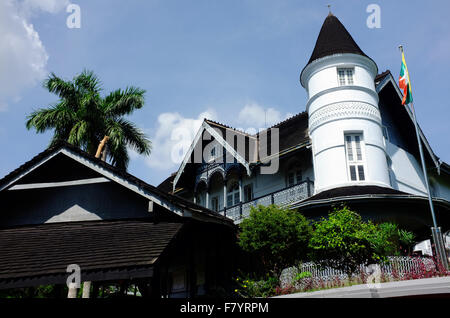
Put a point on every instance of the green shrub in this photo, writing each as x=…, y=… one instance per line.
x=344, y=241
x=278, y=237
x=302, y=275
x=251, y=288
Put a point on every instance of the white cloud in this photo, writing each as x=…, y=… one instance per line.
x=173, y=136
x=23, y=57
x=50, y=6
x=256, y=117
x=174, y=133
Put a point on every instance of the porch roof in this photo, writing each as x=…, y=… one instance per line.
x=104, y=250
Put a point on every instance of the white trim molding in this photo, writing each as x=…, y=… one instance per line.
x=206, y=127
x=59, y=184
x=343, y=110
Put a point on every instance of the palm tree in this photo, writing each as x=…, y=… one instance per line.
x=83, y=118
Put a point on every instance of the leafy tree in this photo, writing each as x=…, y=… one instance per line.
x=344, y=241
x=406, y=239
x=340, y=241
x=83, y=117
x=388, y=239
x=278, y=237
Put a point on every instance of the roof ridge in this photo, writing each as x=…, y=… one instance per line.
x=226, y=126
x=256, y=134
x=283, y=121
x=182, y=202
x=289, y=119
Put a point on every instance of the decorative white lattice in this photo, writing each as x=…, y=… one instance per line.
x=343, y=110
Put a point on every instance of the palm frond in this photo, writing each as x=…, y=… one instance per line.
x=64, y=89
x=50, y=118
x=130, y=134
x=119, y=155
x=82, y=117
x=124, y=102
x=87, y=81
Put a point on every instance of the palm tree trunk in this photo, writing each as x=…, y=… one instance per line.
x=100, y=148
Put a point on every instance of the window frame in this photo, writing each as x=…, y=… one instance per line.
x=347, y=79
x=232, y=191
x=295, y=171
x=248, y=186
x=354, y=162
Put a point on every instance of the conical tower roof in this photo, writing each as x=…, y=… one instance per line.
x=334, y=39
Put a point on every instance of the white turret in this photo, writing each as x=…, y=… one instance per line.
x=344, y=119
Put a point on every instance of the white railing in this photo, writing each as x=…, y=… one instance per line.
x=398, y=266
x=282, y=197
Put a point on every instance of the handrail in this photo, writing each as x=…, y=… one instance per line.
x=307, y=181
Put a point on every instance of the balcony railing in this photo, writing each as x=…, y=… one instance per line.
x=282, y=197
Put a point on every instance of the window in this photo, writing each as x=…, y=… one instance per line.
x=233, y=194
x=385, y=133
x=294, y=176
x=215, y=204
x=345, y=76
x=214, y=153
x=248, y=192
x=353, y=146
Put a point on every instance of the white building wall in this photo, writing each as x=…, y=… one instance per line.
x=336, y=110
x=406, y=173
x=442, y=187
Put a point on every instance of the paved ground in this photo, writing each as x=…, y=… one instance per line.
x=419, y=287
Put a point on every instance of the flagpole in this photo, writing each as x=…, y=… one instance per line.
x=430, y=200
x=435, y=230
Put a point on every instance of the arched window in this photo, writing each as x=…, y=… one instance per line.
x=233, y=194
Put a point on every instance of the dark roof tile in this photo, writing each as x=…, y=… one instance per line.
x=334, y=39
x=48, y=248
x=353, y=191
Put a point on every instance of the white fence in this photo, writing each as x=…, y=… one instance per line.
x=398, y=266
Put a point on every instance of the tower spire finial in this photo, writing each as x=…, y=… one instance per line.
x=329, y=9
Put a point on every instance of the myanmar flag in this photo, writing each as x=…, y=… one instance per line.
x=405, y=83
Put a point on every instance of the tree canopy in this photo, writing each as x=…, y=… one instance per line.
x=344, y=241
x=83, y=117
x=278, y=237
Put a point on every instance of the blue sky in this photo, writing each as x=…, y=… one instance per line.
x=229, y=60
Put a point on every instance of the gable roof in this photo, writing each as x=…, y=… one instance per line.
x=206, y=127
x=385, y=82
x=293, y=134
x=173, y=203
